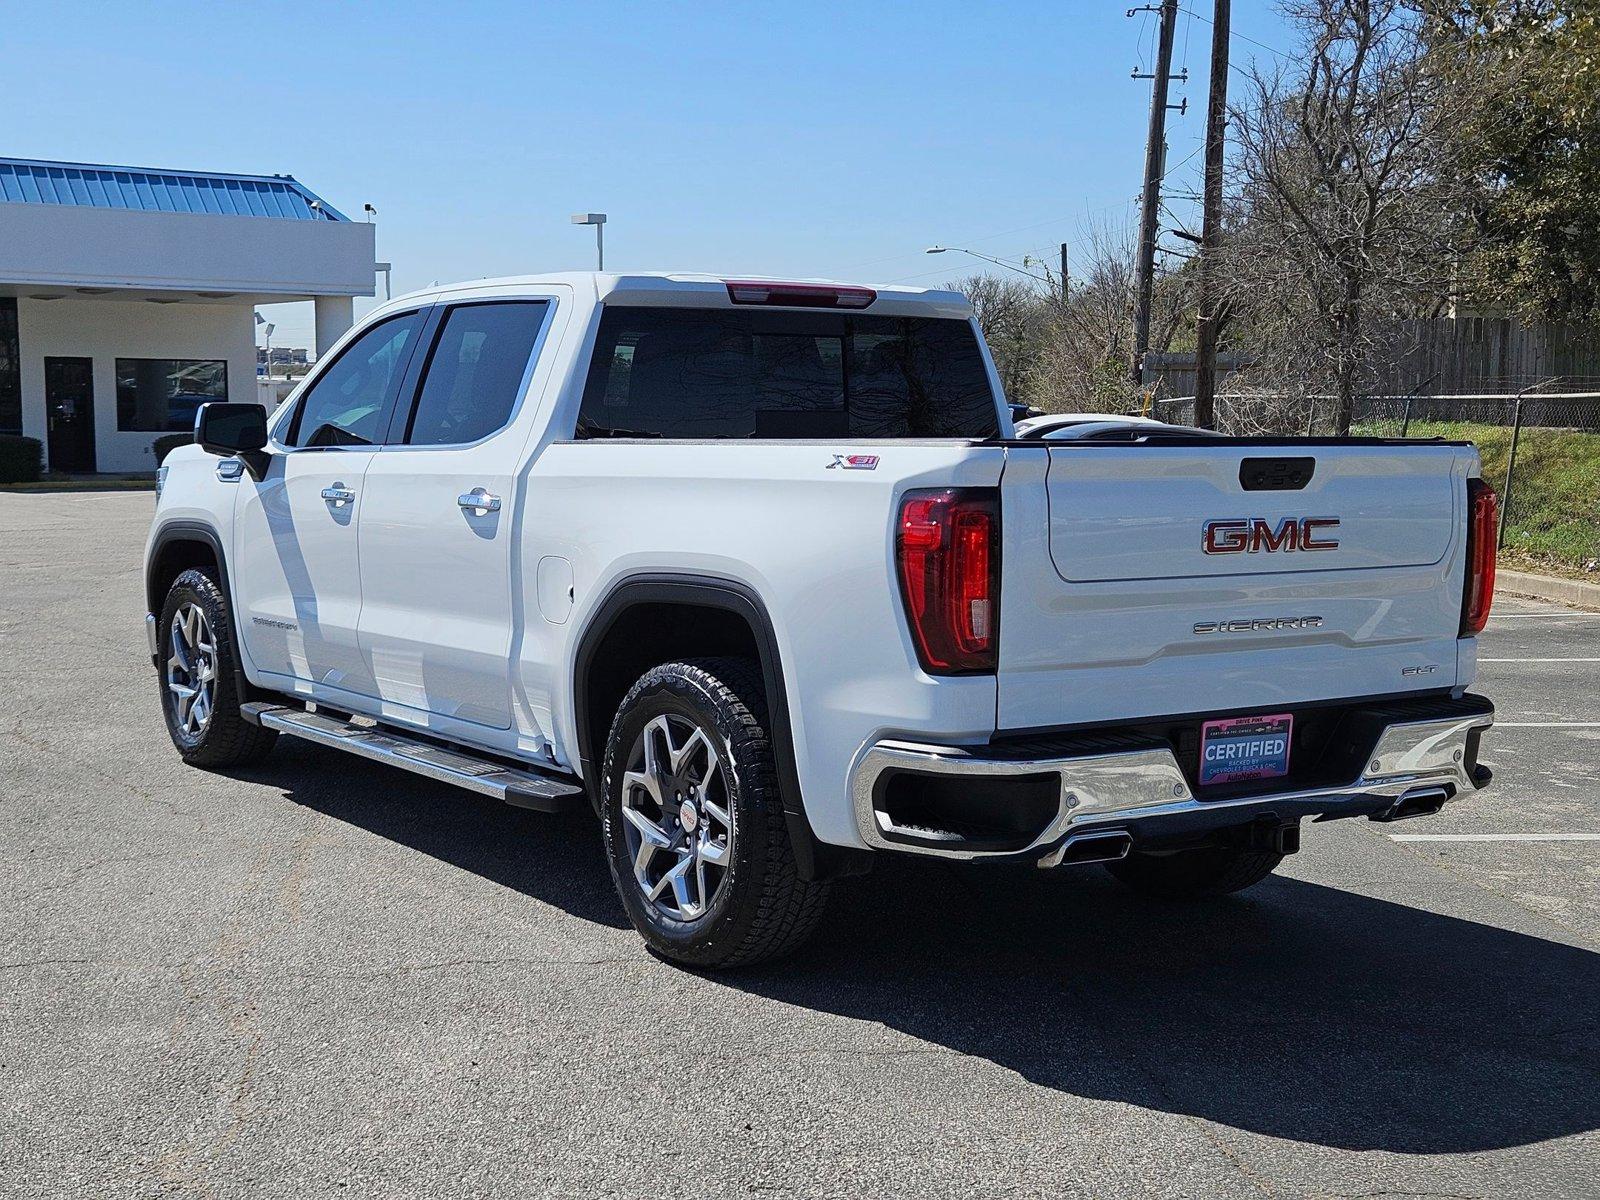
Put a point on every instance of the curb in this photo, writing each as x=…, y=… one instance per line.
x=1544, y=587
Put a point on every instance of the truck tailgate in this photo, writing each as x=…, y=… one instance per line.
x=1151, y=580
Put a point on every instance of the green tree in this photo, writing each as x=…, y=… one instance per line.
x=1537, y=143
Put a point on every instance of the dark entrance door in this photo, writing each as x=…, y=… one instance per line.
x=69, y=399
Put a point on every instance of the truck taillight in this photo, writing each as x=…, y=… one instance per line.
x=947, y=550
x=1483, y=528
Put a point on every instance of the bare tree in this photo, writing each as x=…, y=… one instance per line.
x=1345, y=186
x=1009, y=311
x=1072, y=354
x=1087, y=339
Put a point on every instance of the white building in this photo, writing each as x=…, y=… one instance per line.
x=127, y=297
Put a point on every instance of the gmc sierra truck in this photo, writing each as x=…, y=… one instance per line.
x=763, y=572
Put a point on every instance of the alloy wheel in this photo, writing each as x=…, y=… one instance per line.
x=678, y=816
x=191, y=669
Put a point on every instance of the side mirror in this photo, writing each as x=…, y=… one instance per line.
x=234, y=430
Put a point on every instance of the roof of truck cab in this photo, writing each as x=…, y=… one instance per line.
x=697, y=289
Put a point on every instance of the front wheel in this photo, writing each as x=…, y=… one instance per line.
x=1195, y=874
x=693, y=819
x=200, y=677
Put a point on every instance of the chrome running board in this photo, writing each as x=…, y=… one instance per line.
x=486, y=776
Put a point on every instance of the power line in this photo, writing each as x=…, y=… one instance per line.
x=1242, y=37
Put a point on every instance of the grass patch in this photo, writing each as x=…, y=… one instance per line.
x=1553, y=518
x=84, y=483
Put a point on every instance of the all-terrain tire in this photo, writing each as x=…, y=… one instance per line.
x=762, y=908
x=1195, y=874
x=225, y=739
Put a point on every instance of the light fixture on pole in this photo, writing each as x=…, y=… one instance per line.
x=999, y=262
x=598, y=220
x=266, y=329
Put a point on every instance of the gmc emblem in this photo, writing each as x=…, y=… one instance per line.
x=1252, y=535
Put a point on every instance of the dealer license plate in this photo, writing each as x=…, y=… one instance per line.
x=1236, y=749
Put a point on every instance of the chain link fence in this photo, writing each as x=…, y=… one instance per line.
x=1541, y=452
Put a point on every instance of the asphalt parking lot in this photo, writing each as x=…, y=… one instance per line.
x=329, y=977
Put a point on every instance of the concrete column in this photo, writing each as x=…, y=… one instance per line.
x=334, y=315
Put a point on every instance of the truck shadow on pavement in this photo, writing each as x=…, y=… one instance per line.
x=1295, y=1010
x=558, y=860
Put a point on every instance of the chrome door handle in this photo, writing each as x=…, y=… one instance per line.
x=338, y=494
x=479, y=501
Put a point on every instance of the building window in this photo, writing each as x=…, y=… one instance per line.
x=10, y=369
x=162, y=395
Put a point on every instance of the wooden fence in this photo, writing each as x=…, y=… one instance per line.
x=1444, y=356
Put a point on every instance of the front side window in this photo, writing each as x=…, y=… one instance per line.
x=348, y=404
x=162, y=395
x=475, y=372
x=721, y=373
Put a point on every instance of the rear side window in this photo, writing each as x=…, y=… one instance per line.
x=475, y=372
x=713, y=373
x=348, y=405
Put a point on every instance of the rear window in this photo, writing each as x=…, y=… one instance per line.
x=710, y=373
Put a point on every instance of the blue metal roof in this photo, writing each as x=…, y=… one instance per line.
x=85, y=185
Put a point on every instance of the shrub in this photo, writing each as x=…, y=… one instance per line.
x=20, y=458
x=166, y=445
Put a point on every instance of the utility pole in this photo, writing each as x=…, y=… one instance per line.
x=1154, y=154
x=1206, y=325
x=1064, y=289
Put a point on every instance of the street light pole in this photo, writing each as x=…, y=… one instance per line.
x=598, y=220
x=999, y=262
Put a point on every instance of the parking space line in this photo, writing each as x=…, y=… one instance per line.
x=1494, y=837
x=1523, y=660
x=1547, y=724
x=1566, y=616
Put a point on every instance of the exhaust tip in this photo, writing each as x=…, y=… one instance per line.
x=1423, y=802
x=1093, y=848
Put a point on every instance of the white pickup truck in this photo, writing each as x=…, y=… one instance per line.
x=762, y=572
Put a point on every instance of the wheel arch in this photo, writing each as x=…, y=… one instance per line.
x=648, y=619
x=176, y=547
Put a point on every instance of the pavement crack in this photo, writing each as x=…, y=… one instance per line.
x=118, y=781
x=1445, y=864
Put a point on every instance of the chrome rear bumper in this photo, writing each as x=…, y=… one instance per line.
x=1412, y=766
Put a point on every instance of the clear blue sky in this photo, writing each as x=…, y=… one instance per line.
x=831, y=139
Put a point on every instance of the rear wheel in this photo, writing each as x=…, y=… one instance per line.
x=1195, y=874
x=200, y=677
x=693, y=820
